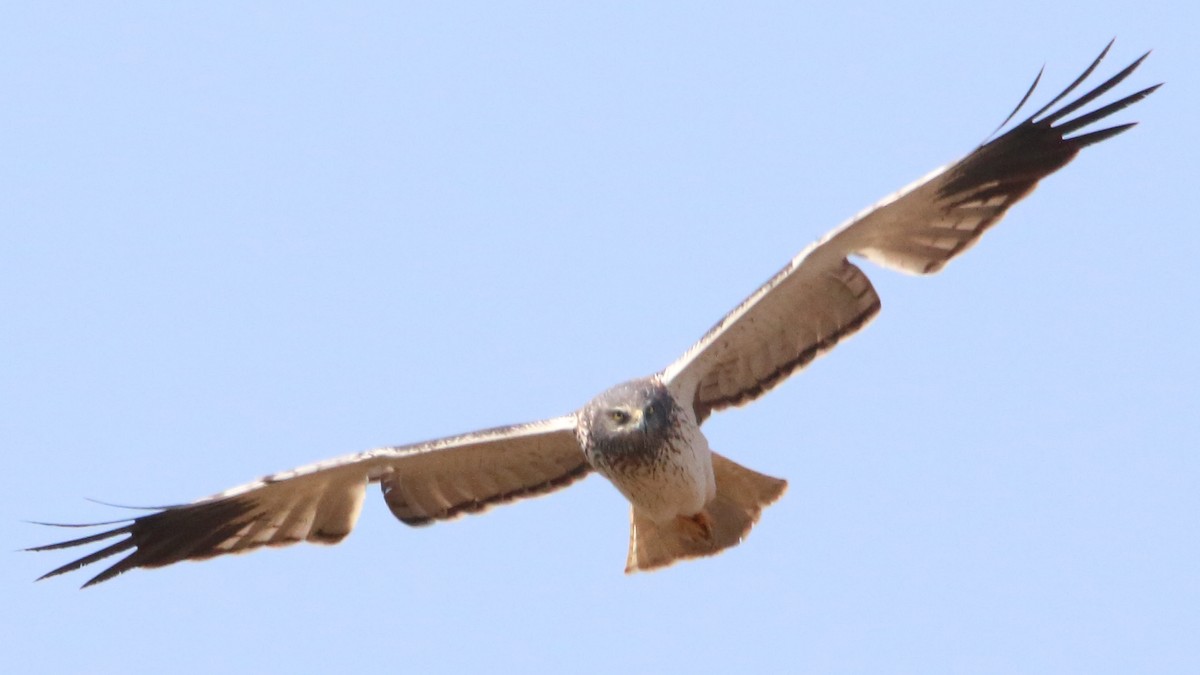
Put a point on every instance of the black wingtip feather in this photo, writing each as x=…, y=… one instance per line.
x=160, y=538
x=164, y=552
x=113, y=549
x=101, y=502
x=81, y=540
x=1092, y=95
x=77, y=525
x=1020, y=104
x=1084, y=140
x=1011, y=164
x=1078, y=81
x=1082, y=121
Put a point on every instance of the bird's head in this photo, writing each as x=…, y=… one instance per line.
x=630, y=415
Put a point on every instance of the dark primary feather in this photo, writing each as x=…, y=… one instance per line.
x=971, y=195
x=1012, y=164
x=173, y=534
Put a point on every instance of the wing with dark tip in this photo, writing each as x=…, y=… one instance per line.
x=320, y=503
x=820, y=297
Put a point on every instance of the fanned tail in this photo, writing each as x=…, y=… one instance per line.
x=742, y=494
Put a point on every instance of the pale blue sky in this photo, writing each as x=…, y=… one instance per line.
x=241, y=237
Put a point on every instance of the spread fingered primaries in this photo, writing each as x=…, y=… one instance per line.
x=802, y=312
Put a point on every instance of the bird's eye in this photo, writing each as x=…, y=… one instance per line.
x=618, y=416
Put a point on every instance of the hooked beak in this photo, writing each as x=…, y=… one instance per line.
x=638, y=417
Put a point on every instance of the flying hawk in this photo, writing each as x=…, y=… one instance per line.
x=644, y=435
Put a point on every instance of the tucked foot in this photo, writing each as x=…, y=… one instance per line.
x=698, y=527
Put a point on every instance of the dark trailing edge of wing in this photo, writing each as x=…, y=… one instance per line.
x=704, y=408
x=401, y=509
x=175, y=533
x=1011, y=165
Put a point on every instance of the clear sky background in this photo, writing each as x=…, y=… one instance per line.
x=236, y=238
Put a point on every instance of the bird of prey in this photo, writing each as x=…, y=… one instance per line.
x=644, y=436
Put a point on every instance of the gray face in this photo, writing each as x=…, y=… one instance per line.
x=630, y=423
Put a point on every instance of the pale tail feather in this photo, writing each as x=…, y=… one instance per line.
x=742, y=494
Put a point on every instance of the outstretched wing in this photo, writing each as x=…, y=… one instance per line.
x=820, y=297
x=422, y=483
